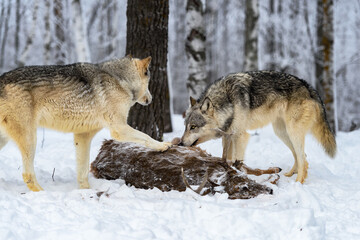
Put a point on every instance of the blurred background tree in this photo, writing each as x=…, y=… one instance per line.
x=283, y=35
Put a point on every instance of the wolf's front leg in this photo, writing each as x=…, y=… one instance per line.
x=82, y=143
x=128, y=134
x=239, y=143
x=227, y=144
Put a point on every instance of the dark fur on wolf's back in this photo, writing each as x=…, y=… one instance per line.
x=144, y=168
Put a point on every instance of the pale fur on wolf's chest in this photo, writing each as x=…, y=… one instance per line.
x=69, y=113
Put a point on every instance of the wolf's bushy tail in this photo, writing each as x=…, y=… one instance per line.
x=323, y=133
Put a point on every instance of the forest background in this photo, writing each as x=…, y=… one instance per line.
x=283, y=35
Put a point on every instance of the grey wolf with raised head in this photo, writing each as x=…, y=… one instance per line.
x=244, y=101
x=81, y=98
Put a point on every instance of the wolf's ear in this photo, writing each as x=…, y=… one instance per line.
x=207, y=106
x=129, y=56
x=192, y=101
x=146, y=61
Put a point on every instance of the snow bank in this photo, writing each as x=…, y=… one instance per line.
x=327, y=206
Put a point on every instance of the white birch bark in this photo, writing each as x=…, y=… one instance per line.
x=81, y=43
x=195, y=48
x=5, y=35
x=17, y=31
x=47, y=34
x=29, y=40
x=177, y=70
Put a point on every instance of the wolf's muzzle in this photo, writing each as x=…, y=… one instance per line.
x=146, y=99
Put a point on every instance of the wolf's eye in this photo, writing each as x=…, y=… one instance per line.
x=146, y=73
x=192, y=127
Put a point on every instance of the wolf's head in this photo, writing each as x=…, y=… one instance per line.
x=142, y=65
x=200, y=124
x=134, y=74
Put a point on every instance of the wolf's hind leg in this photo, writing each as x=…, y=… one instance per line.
x=302, y=164
x=25, y=139
x=82, y=143
x=280, y=131
x=297, y=137
x=299, y=120
x=27, y=149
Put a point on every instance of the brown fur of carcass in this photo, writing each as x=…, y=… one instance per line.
x=145, y=168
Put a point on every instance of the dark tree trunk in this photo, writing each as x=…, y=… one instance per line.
x=324, y=58
x=147, y=35
x=251, y=35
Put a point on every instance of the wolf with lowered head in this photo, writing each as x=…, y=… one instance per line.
x=244, y=101
x=81, y=98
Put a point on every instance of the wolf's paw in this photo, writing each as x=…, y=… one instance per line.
x=293, y=171
x=84, y=184
x=289, y=174
x=31, y=182
x=35, y=187
x=230, y=162
x=163, y=146
x=301, y=178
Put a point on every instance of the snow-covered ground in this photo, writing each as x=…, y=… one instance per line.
x=327, y=206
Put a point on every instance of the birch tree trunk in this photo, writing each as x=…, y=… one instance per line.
x=271, y=37
x=47, y=34
x=251, y=35
x=81, y=43
x=5, y=35
x=324, y=59
x=147, y=35
x=59, y=40
x=211, y=19
x=177, y=68
x=29, y=40
x=17, y=32
x=106, y=29
x=195, y=48
x=110, y=31
x=280, y=37
x=2, y=14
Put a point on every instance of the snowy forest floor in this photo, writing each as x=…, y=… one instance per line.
x=327, y=206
